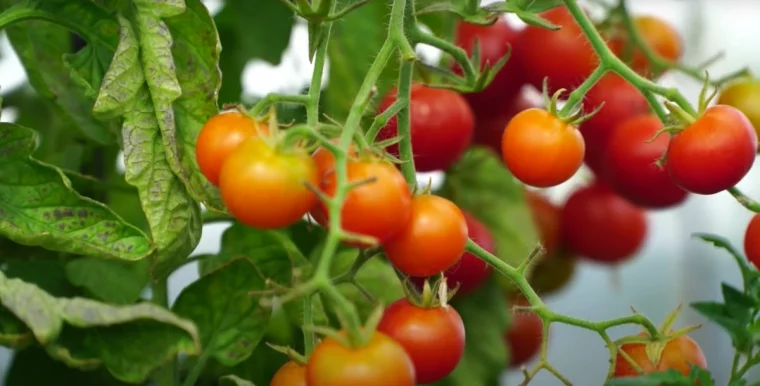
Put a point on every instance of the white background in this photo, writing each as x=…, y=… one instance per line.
x=672, y=268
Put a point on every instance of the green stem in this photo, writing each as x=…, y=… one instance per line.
x=166, y=375
x=745, y=200
x=382, y=119
x=315, y=87
x=406, y=152
x=459, y=54
x=271, y=99
x=577, y=95
x=309, y=338
x=197, y=369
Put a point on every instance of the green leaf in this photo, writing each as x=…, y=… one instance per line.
x=749, y=274
x=230, y=320
x=44, y=50
x=376, y=276
x=111, y=281
x=481, y=185
x=39, y=207
x=129, y=341
x=25, y=368
x=13, y=332
x=234, y=380
x=250, y=30
x=48, y=273
x=486, y=318
x=173, y=216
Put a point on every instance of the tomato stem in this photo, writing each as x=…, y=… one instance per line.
x=577, y=95
x=745, y=200
x=403, y=118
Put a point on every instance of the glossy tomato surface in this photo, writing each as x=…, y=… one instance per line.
x=524, y=335
x=630, y=162
x=381, y=362
x=601, y=226
x=470, y=271
x=679, y=354
x=745, y=96
x=489, y=129
x=752, y=241
x=714, y=153
x=442, y=125
x=281, y=196
x=661, y=37
x=433, y=337
x=535, y=132
x=290, y=374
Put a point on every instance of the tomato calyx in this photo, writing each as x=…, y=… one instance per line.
x=292, y=354
x=430, y=296
x=352, y=339
x=575, y=116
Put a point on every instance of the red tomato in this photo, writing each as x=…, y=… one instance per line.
x=378, y=209
x=630, y=164
x=489, y=129
x=524, y=336
x=220, y=135
x=602, y=226
x=660, y=36
x=495, y=42
x=441, y=127
x=752, y=241
x=745, y=96
x=565, y=56
x=433, y=239
x=382, y=362
x=536, y=132
x=470, y=272
x=290, y=374
x=281, y=196
x=679, y=354
x=433, y=337
x=546, y=217
x=714, y=153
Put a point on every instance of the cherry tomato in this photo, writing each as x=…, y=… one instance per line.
x=630, y=163
x=552, y=273
x=433, y=337
x=600, y=225
x=494, y=42
x=547, y=218
x=379, y=209
x=221, y=134
x=536, y=132
x=290, y=374
x=524, y=335
x=433, y=239
x=381, y=362
x=752, y=241
x=441, y=127
x=264, y=188
x=565, y=56
x=470, y=272
x=714, y=153
x=489, y=129
x=660, y=36
x=678, y=354
x=745, y=96
x=325, y=160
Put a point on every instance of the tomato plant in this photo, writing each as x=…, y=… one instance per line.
x=744, y=95
x=659, y=36
x=524, y=335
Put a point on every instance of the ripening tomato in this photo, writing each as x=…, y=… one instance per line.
x=745, y=96
x=264, y=188
x=552, y=273
x=221, y=134
x=657, y=34
x=494, y=42
x=433, y=239
x=600, y=225
x=524, y=336
x=379, y=209
x=752, y=241
x=565, y=56
x=433, y=337
x=470, y=272
x=325, y=160
x=489, y=129
x=678, y=354
x=540, y=149
x=546, y=217
x=714, y=153
x=290, y=374
x=442, y=124
x=381, y=362
x=630, y=164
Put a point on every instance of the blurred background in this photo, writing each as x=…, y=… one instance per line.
x=671, y=269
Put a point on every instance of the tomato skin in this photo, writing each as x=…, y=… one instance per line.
x=489, y=129
x=382, y=362
x=540, y=51
x=535, y=131
x=524, y=335
x=433, y=337
x=601, y=226
x=659, y=35
x=714, y=153
x=494, y=41
x=678, y=354
x=290, y=374
x=547, y=218
x=433, y=239
x=471, y=272
x=442, y=126
x=630, y=163
x=745, y=96
x=378, y=209
x=752, y=241
x=281, y=196
x=219, y=136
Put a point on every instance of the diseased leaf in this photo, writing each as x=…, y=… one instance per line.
x=38, y=207
x=115, y=282
x=234, y=380
x=129, y=341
